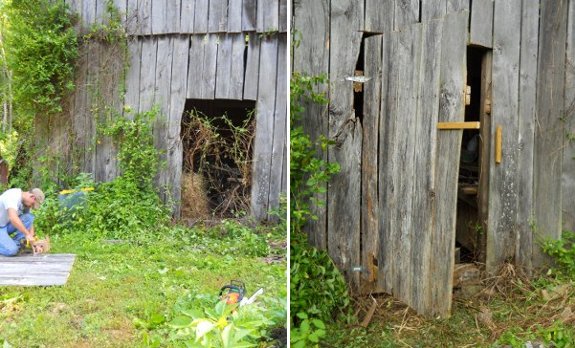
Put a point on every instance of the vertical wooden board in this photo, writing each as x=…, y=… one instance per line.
x=526, y=130
x=249, y=15
x=279, y=130
x=406, y=13
x=502, y=226
x=549, y=132
x=424, y=165
x=451, y=108
x=263, y=142
x=144, y=26
x=235, y=16
x=283, y=16
x=218, y=16
x=102, y=16
x=159, y=19
x=132, y=17
x=87, y=15
x=187, y=16
x=148, y=74
x=568, y=178
x=91, y=85
x=237, y=67
x=173, y=15
x=369, y=160
x=121, y=6
x=177, y=102
x=457, y=5
x=201, y=16
x=208, y=80
x=344, y=189
x=80, y=108
x=379, y=16
x=311, y=57
x=224, y=67
x=196, y=59
x=267, y=16
x=252, y=67
x=75, y=7
x=132, y=98
x=433, y=9
x=481, y=26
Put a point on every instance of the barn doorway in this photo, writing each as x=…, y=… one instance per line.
x=217, y=138
x=473, y=190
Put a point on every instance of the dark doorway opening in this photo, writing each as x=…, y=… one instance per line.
x=217, y=137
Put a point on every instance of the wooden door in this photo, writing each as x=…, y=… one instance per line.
x=422, y=83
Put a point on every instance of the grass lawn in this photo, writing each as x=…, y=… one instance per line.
x=127, y=293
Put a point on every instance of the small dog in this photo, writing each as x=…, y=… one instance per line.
x=41, y=246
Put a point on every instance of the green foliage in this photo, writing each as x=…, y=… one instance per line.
x=9, y=147
x=558, y=334
x=309, y=332
x=41, y=48
x=563, y=251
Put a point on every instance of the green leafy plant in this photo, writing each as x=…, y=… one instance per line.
x=563, y=251
x=309, y=332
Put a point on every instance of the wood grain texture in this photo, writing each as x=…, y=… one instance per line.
x=406, y=13
x=503, y=199
x=433, y=9
x=457, y=5
x=201, y=11
x=549, y=130
x=163, y=17
x=38, y=270
x=187, y=16
x=267, y=16
x=132, y=17
x=202, y=66
x=485, y=150
x=481, y=27
x=263, y=142
x=218, y=16
x=148, y=74
x=283, y=16
x=251, y=76
x=379, y=16
x=568, y=179
x=311, y=57
x=249, y=15
x=144, y=26
x=369, y=159
x=132, y=98
x=344, y=189
x=234, y=16
x=230, y=67
x=526, y=131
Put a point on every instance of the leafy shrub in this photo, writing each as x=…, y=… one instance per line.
x=563, y=251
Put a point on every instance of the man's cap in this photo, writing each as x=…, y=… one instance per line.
x=39, y=197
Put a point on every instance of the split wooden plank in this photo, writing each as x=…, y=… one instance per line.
x=279, y=127
x=132, y=98
x=148, y=74
x=458, y=125
x=379, y=16
x=230, y=70
x=344, y=190
x=177, y=103
x=144, y=26
x=251, y=77
x=249, y=15
x=263, y=142
x=311, y=57
x=526, y=130
x=369, y=160
x=549, y=132
x=481, y=26
x=406, y=13
x=267, y=16
x=218, y=16
x=451, y=108
x=196, y=59
x=187, y=16
x=433, y=9
x=568, y=180
x=235, y=16
x=201, y=16
x=502, y=227
x=424, y=187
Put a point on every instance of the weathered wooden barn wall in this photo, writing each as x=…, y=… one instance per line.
x=568, y=179
x=390, y=214
x=189, y=49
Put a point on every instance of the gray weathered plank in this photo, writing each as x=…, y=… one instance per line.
x=36, y=270
x=265, y=107
x=196, y=57
x=201, y=16
x=79, y=110
x=88, y=15
x=177, y=103
x=457, y=5
x=252, y=67
x=501, y=231
x=526, y=130
x=379, y=16
x=132, y=98
x=160, y=22
x=218, y=16
x=132, y=17
x=92, y=101
x=144, y=26
x=424, y=167
x=406, y=13
x=102, y=15
x=38, y=259
x=481, y=27
x=267, y=16
x=283, y=16
x=249, y=15
x=121, y=6
x=485, y=154
x=280, y=119
x=235, y=16
x=148, y=73
x=369, y=158
x=187, y=16
x=230, y=67
x=451, y=108
x=209, y=67
x=344, y=189
x=311, y=57
x=549, y=132
x=433, y=9
x=568, y=179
